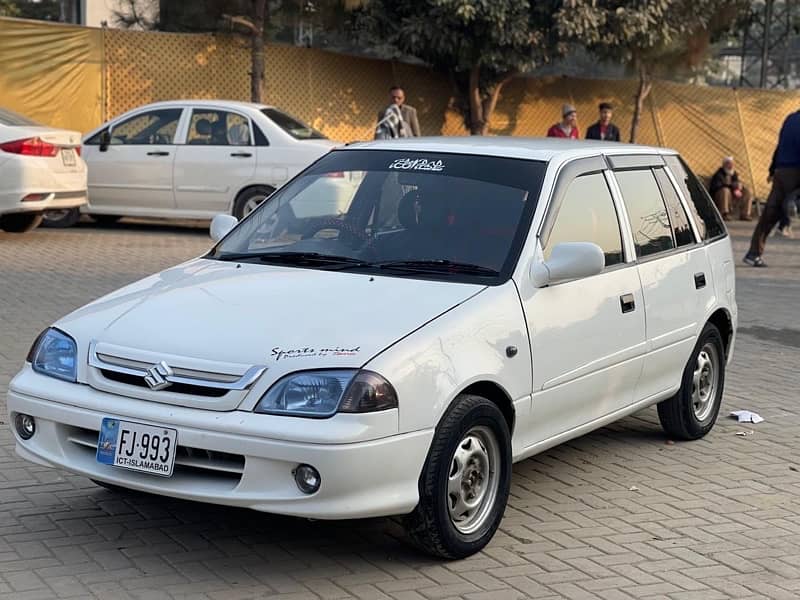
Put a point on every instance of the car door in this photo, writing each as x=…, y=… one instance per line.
x=134, y=172
x=588, y=335
x=217, y=160
x=673, y=268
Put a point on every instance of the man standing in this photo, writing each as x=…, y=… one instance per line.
x=568, y=127
x=728, y=192
x=785, y=180
x=397, y=97
x=604, y=129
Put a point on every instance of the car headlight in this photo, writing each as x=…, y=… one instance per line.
x=54, y=354
x=324, y=393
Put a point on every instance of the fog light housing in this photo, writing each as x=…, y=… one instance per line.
x=25, y=426
x=307, y=479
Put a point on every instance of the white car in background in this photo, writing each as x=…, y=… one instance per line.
x=193, y=159
x=40, y=169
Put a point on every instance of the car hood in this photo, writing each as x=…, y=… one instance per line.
x=252, y=314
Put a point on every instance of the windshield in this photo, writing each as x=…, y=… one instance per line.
x=411, y=214
x=13, y=119
x=296, y=129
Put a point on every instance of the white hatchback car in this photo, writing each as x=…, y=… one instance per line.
x=192, y=159
x=40, y=169
x=478, y=302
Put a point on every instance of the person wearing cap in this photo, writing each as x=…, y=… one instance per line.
x=568, y=127
x=728, y=192
x=604, y=129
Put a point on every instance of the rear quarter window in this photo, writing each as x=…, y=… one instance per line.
x=706, y=217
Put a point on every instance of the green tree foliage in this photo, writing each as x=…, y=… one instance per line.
x=47, y=10
x=646, y=34
x=9, y=8
x=480, y=44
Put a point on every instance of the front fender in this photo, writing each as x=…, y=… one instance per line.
x=465, y=345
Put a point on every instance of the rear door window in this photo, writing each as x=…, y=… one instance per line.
x=652, y=232
x=675, y=211
x=705, y=214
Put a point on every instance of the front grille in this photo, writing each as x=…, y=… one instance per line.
x=188, y=460
x=175, y=388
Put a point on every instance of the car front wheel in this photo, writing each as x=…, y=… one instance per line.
x=20, y=222
x=691, y=413
x=465, y=482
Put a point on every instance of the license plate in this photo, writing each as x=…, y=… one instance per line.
x=68, y=157
x=137, y=447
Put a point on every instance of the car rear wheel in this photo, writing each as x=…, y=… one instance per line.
x=248, y=200
x=66, y=217
x=465, y=481
x=20, y=222
x=691, y=413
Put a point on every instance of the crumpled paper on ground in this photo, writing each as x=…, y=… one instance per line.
x=746, y=416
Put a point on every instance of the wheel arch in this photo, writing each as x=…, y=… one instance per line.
x=495, y=394
x=721, y=318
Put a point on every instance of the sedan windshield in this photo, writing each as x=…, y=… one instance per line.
x=14, y=120
x=410, y=214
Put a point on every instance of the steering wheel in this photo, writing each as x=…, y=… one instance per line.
x=339, y=226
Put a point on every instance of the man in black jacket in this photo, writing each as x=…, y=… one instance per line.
x=604, y=129
x=728, y=192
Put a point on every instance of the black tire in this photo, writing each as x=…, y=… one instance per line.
x=106, y=219
x=61, y=218
x=691, y=413
x=243, y=203
x=430, y=526
x=20, y=222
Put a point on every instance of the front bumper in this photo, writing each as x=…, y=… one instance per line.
x=363, y=479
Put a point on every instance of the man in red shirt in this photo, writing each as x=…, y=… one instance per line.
x=568, y=127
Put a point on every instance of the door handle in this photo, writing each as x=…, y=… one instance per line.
x=158, y=153
x=699, y=280
x=627, y=303
x=241, y=154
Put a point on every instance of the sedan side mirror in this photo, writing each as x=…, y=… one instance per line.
x=105, y=139
x=221, y=225
x=569, y=260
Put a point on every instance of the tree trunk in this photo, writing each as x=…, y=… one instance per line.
x=257, y=51
x=477, y=124
x=645, y=85
x=490, y=103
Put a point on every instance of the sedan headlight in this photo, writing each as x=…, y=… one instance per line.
x=54, y=354
x=323, y=393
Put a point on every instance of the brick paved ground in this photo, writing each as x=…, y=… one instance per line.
x=619, y=513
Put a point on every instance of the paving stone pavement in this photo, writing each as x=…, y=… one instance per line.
x=621, y=513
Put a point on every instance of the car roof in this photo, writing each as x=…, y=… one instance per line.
x=214, y=103
x=544, y=149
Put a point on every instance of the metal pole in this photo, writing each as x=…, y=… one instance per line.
x=765, y=45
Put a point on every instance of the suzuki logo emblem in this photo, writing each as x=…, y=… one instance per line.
x=157, y=375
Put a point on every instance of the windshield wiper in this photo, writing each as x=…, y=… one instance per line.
x=435, y=266
x=293, y=258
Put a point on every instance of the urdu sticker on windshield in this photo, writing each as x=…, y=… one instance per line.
x=417, y=164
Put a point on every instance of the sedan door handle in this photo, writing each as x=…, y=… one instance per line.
x=241, y=154
x=158, y=153
x=627, y=303
x=699, y=280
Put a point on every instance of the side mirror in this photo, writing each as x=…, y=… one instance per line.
x=570, y=260
x=105, y=139
x=221, y=225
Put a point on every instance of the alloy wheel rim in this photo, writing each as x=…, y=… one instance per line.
x=705, y=381
x=473, y=479
x=252, y=204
